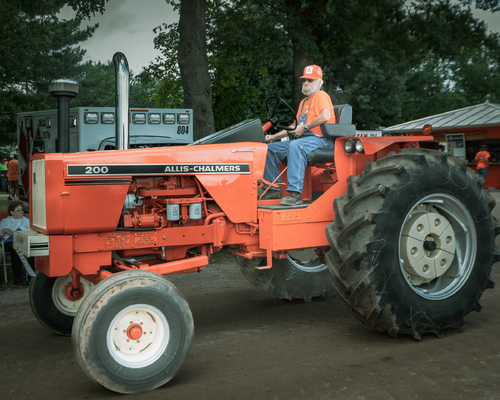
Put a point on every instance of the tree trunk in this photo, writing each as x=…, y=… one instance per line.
x=192, y=58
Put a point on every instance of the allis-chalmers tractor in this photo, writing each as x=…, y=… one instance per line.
x=403, y=234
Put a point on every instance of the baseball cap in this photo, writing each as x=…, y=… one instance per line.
x=312, y=72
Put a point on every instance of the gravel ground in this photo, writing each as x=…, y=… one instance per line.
x=248, y=345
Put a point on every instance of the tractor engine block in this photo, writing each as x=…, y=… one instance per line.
x=164, y=203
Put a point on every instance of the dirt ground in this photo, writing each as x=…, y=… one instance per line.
x=248, y=345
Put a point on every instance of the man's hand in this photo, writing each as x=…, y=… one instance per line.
x=275, y=137
x=270, y=138
x=299, y=131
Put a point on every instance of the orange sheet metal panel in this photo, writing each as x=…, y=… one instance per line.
x=90, y=263
x=60, y=260
x=287, y=229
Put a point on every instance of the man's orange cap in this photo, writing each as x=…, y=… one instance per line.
x=312, y=72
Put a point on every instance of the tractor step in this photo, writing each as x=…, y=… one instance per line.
x=280, y=207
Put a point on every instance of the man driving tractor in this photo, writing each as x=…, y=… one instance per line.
x=314, y=110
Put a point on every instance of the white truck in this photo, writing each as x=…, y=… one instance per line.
x=93, y=129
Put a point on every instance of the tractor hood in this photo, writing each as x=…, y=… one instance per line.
x=69, y=186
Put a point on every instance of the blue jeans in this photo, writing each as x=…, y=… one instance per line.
x=483, y=172
x=297, y=151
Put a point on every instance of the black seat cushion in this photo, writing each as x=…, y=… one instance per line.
x=324, y=155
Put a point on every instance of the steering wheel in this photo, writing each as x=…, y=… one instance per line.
x=271, y=113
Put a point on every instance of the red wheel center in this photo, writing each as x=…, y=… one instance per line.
x=134, y=331
x=72, y=294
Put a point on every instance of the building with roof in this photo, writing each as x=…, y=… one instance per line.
x=461, y=133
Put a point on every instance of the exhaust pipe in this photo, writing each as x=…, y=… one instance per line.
x=64, y=90
x=122, y=78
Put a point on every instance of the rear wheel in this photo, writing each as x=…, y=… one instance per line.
x=133, y=333
x=52, y=302
x=303, y=275
x=413, y=243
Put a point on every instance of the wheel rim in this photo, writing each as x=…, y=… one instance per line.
x=64, y=304
x=306, y=260
x=452, y=229
x=138, y=336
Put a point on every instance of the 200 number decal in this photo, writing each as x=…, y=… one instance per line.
x=96, y=170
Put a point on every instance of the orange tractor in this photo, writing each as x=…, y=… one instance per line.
x=404, y=235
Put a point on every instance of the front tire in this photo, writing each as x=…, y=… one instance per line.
x=50, y=304
x=301, y=276
x=133, y=333
x=413, y=243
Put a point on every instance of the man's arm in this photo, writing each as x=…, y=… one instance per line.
x=276, y=136
x=324, y=116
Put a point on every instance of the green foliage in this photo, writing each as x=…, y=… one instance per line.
x=374, y=86
x=391, y=60
x=163, y=77
x=97, y=87
x=37, y=47
x=479, y=76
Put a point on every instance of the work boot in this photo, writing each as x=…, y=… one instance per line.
x=272, y=195
x=293, y=199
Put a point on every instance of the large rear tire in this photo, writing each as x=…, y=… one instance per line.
x=133, y=332
x=50, y=303
x=301, y=276
x=413, y=243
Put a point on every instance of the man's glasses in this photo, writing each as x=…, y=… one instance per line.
x=19, y=209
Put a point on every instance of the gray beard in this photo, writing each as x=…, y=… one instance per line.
x=309, y=91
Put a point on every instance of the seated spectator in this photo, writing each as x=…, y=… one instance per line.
x=16, y=221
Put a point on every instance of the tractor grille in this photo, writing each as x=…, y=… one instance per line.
x=37, y=193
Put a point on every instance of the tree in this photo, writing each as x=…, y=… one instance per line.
x=36, y=47
x=390, y=59
x=192, y=58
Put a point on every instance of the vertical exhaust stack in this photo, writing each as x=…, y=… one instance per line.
x=64, y=90
x=122, y=77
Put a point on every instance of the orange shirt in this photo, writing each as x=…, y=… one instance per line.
x=481, y=159
x=314, y=106
x=13, y=170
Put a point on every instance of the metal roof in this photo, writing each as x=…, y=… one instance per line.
x=480, y=115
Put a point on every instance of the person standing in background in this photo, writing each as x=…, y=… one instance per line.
x=3, y=175
x=483, y=161
x=13, y=171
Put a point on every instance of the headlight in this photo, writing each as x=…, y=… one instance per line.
x=359, y=146
x=349, y=146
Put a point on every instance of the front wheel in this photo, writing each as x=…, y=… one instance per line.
x=133, y=333
x=413, y=243
x=302, y=275
x=52, y=303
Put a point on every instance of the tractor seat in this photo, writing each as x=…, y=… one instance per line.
x=343, y=128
